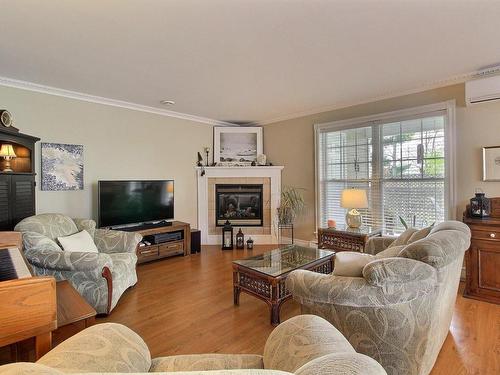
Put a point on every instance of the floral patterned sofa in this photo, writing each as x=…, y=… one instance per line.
x=303, y=345
x=101, y=278
x=399, y=312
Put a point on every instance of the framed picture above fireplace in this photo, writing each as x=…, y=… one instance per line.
x=240, y=204
x=237, y=146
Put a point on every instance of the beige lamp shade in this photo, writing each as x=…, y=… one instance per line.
x=354, y=198
x=7, y=151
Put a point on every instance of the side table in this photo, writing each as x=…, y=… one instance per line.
x=73, y=312
x=343, y=238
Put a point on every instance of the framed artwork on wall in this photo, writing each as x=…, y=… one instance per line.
x=62, y=167
x=491, y=163
x=237, y=146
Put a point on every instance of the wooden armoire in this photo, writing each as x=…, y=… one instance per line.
x=17, y=188
x=483, y=257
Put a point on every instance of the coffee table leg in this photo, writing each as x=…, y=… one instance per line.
x=236, y=289
x=275, y=313
x=236, y=295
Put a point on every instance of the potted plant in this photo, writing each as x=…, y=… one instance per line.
x=291, y=205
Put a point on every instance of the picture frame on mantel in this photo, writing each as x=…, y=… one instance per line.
x=491, y=163
x=237, y=145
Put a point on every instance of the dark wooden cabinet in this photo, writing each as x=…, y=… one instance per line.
x=483, y=257
x=17, y=188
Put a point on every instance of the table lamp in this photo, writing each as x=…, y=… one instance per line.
x=7, y=152
x=352, y=199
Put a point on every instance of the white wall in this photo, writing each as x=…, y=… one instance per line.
x=118, y=144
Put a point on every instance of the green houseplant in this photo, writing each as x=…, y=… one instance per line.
x=291, y=205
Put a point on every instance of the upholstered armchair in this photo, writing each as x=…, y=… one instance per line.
x=303, y=345
x=399, y=311
x=101, y=278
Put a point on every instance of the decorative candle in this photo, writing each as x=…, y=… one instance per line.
x=331, y=223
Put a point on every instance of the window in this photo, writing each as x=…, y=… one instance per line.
x=402, y=159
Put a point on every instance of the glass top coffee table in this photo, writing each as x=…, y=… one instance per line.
x=263, y=276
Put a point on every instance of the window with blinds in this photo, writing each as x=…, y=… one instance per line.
x=401, y=163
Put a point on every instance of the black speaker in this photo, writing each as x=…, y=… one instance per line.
x=195, y=241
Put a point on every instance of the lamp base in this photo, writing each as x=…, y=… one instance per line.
x=353, y=218
x=7, y=167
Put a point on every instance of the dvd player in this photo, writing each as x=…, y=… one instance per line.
x=164, y=237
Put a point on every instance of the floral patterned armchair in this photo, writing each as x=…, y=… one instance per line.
x=302, y=345
x=101, y=278
x=399, y=311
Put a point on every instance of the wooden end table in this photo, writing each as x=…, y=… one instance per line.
x=263, y=276
x=343, y=238
x=73, y=312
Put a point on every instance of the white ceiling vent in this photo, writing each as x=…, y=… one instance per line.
x=482, y=90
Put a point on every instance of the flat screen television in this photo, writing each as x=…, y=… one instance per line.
x=135, y=202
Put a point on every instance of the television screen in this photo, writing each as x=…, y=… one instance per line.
x=131, y=202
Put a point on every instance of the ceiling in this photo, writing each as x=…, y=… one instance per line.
x=246, y=60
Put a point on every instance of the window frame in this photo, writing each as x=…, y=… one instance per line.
x=449, y=109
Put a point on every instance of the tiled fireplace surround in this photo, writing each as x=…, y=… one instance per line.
x=269, y=177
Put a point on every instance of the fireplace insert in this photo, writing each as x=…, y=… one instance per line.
x=240, y=204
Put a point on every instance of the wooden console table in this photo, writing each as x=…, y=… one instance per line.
x=344, y=238
x=483, y=258
x=167, y=249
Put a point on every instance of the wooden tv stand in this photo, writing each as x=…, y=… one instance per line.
x=167, y=249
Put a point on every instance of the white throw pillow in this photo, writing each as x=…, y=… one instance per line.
x=351, y=263
x=81, y=242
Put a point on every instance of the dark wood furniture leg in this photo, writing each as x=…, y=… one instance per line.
x=236, y=289
x=275, y=304
x=43, y=343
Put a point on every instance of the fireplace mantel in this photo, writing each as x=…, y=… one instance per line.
x=273, y=173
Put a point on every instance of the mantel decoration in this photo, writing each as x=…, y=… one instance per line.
x=237, y=146
x=62, y=167
x=491, y=163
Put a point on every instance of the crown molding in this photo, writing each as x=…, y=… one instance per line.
x=389, y=95
x=30, y=86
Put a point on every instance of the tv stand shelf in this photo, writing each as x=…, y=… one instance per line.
x=166, y=249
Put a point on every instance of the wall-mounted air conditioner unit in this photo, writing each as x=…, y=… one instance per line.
x=482, y=90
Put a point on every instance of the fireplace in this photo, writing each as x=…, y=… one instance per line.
x=240, y=204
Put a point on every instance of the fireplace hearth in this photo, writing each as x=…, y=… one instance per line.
x=241, y=204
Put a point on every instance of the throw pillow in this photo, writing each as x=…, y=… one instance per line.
x=419, y=234
x=403, y=238
x=351, y=263
x=390, y=252
x=81, y=242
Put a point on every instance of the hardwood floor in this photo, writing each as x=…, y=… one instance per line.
x=185, y=305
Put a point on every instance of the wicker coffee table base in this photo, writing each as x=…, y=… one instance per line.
x=271, y=290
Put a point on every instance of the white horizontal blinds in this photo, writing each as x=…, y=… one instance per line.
x=346, y=161
x=413, y=172
x=400, y=163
